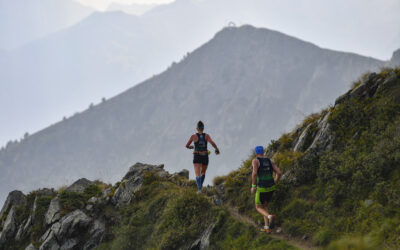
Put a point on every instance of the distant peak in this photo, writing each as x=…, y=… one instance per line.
x=395, y=58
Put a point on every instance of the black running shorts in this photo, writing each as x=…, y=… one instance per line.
x=201, y=159
x=263, y=197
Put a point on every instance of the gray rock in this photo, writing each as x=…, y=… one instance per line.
x=14, y=198
x=204, y=241
x=9, y=227
x=20, y=232
x=50, y=243
x=89, y=207
x=31, y=247
x=184, y=173
x=123, y=194
x=53, y=213
x=64, y=233
x=70, y=224
x=133, y=181
x=69, y=244
x=139, y=168
x=105, y=193
x=79, y=185
x=94, y=200
x=390, y=79
x=27, y=225
x=96, y=232
x=368, y=203
x=299, y=146
x=324, y=136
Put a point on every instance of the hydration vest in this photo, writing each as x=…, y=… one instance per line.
x=264, y=173
x=201, y=145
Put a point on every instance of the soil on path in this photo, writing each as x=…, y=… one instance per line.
x=297, y=242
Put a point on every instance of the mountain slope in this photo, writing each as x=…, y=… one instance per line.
x=24, y=21
x=241, y=83
x=340, y=186
x=148, y=209
x=58, y=77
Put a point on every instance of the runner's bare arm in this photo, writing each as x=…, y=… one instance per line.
x=277, y=171
x=189, y=142
x=208, y=138
x=255, y=169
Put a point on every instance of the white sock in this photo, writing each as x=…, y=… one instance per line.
x=266, y=227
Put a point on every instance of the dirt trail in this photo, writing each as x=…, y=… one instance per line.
x=297, y=242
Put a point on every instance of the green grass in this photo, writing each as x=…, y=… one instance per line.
x=325, y=195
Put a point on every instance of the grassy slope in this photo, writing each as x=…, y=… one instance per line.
x=169, y=216
x=347, y=196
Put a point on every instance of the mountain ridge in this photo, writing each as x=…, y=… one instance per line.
x=321, y=200
x=156, y=116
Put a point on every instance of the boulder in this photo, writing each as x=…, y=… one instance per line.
x=53, y=213
x=133, y=181
x=184, y=173
x=79, y=185
x=140, y=168
x=14, y=198
x=65, y=233
x=72, y=224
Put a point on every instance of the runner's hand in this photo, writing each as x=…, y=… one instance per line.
x=190, y=147
x=217, y=151
x=253, y=190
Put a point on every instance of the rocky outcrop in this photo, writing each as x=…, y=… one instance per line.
x=79, y=229
x=96, y=232
x=53, y=213
x=79, y=185
x=65, y=234
x=133, y=180
x=9, y=227
x=203, y=241
x=183, y=173
x=323, y=137
x=14, y=198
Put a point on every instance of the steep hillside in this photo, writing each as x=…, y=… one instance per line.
x=242, y=83
x=341, y=182
x=340, y=190
x=107, y=53
x=148, y=209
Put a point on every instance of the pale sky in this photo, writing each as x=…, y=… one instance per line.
x=103, y=4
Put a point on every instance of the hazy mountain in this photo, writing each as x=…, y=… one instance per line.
x=135, y=9
x=109, y=52
x=395, y=60
x=243, y=82
x=22, y=21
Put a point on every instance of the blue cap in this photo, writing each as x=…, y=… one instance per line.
x=259, y=150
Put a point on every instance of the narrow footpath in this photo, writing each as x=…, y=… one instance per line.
x=297, y=242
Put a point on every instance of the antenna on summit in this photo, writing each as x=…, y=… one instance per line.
x=231, y=24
